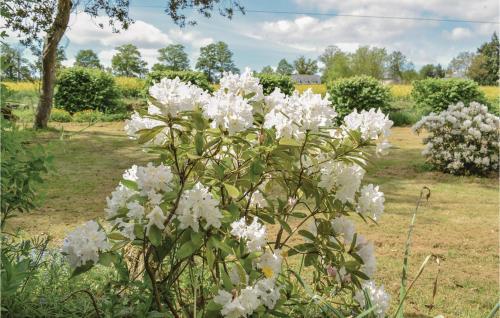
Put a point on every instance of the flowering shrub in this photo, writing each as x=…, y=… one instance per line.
x=462, y=139
x=249, y=190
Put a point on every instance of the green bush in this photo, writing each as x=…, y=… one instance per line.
x=359, y=92
x=87, y=116
x=23, y=166
x=270, y=81
x=435, y=95
x=195, y=78
x=81, y=89
x=60, y=115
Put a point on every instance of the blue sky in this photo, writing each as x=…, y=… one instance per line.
x=259, y=39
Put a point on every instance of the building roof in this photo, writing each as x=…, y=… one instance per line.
x=306, y=79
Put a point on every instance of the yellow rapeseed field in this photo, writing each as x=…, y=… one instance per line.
x=127, y=83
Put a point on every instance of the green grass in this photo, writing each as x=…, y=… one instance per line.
x=458, y=224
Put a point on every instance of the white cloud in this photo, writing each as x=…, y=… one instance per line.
x=84, y=29
x=461, y=9
x=459, y=33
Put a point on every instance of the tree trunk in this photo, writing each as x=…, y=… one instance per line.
x=49, y=53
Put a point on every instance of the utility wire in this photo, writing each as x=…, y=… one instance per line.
x=352, y=15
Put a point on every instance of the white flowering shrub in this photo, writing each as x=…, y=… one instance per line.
x=462, y=139
x=248, y=192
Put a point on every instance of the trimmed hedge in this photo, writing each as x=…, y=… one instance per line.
x=358, y=92
x=270, y=81
x=195, y=78
x=81, y=89
x=435, y=95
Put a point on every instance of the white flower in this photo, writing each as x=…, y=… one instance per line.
x=137, y=122
x=258, y=200
x=345, y=227
x=255, y=233
x=154, y=178
x=268, y=292
x=383, y=147
x=293, y=115
x=229, y=112
x=366, y=251
x=84, y=243
x=345, y=177
x=237, y=277
x=372, y=124
x=240, y=306
x=243, y=84
x=118, y=200
x=270, y=263
x=195, y=204
x=135, y=210
x=156, y=218
x=371, y=201
x=378, y=298
x=174, y=96
x=127, y=229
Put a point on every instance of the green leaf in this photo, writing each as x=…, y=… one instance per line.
x=221, y=245
x=130, y=184
x=82, y=269
x=199, y=142
x=285, y=226
x=190, y=247
x=107, y=258
x=117, y=236
x=307, y=234
x=154, y=235
x=232, y=190
x=289, y=142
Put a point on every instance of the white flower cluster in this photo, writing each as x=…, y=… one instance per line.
x=293, y=115
x=196, y=204
x=228, y=111
x=371, y=201
x=152, y=183
x=373, y=125
x=343, y=227
x=137, y=123
x=244, y=84
x=84, y=243
x=462, y=139
x=345, y=178
x=378, y=298
x=264, y=291
x=174, y=96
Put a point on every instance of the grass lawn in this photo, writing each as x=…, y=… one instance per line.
x=459, y=224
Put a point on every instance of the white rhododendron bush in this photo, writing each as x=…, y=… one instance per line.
x=462, y=139
x=248, y=210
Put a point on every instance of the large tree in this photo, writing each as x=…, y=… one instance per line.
x=305, y=66
x=484, y=67
x=369, y=61
x=215, y=59
x=128, y=61
x=267, y=70
x=87, y=58
x=460, y=64
x=284, y=68
x=30, y=19
x=430, y=70
x=396, y=65
x=336, y=64
x=15, y=67
x=173, y=57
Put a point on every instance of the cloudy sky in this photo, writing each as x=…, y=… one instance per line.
x=259, y=39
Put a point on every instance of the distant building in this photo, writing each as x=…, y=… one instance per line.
x=306, y=79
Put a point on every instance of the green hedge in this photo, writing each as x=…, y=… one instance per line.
x=359, y=92
x=435, y=95
x=81, y=89
x=270, y=81
x=195, y=78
